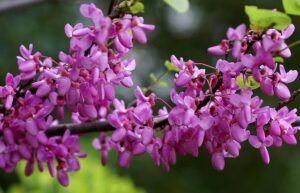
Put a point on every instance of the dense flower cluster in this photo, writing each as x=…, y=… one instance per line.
x=83, y=80
x=212, y=110
x=134, y=134
x=233, y=115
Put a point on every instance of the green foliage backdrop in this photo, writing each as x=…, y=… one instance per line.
x=188, y=35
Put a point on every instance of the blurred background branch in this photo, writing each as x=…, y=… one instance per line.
x=7, y=5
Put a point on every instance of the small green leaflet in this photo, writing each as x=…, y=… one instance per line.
x=264, y=18
x=291, y=6
x=180, y=6
x=249, y=83
x=138, y=7
x=153, y=77
x=158, y=82
x=162, y=84
x=278, y=59
x=170, y=66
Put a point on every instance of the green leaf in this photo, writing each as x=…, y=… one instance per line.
x=138, y=7
x=153, y=77
x=240, y=82
x=278, y=59
x=162, y=84
x=144, y=89
x=263, y=18
x=291, y=6
x=251, y=83
x=246, y=84
x=170, y=66
x=181, y=6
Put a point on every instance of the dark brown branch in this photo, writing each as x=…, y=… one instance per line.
x=111, y=7
x=292, y=98
x=92, y=127
x=13, y=4
x=104, y=126
x=158, y=121
x=214, y=90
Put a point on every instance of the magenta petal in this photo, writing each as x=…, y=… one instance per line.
x=256, y=74
x=24, y=152
x=248, y=60
x=239, y=134
x=275, y=128
x=8, y=136
x=24, y=51
x=63, y=178
x=9, y=102
x=27, y=66
x=264, y=154
x=253, y=140
x=63, y=85
x=29, y=168
x=216, y=50
x=217, y=161
x=289, y=77
x=85, y=10
x=42, y=138
x=118, y=46
x=286, y=52
x=289, y=139
x=124, y=159
x=50, y=168
x=31, y=127
x=266, y=86
x=109, y=92
x=28, y=76
x=118, y=134
x=90, y=111
x=43, y=90
x=127, y=82
x=138, y=149
x=147, y=135
x=233, y=147
x=182, y=79
x=68, y=30
x=206, y=122
x=286, y=33
x=125, y=39
x=282, y=91
x=139, y=35
x=104, y=155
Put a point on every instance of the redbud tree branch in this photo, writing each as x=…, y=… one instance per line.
x=13, y=4
x=104, y=126
x=292, y=98
x=98, y=126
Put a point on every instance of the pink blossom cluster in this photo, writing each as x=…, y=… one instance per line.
x=134, y=133
x=233, y=115
x=83, y=80
x=210, y=109
x=23, y=123
x=260, y=62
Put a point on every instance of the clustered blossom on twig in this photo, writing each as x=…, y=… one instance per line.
x=210, y=110
x=83, y=80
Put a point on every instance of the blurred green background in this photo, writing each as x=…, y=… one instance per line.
x=187, y=35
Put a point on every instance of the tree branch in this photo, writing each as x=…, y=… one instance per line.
x=98, y=126
x=158, y=121
x=292, y=98
x=111, y=7
x=214, y=90
x=104, y=126
x=13, y=4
